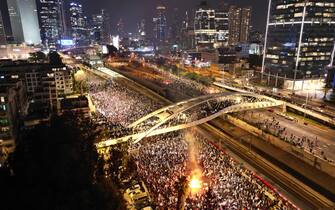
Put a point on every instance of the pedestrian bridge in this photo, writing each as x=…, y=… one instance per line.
x=190, y=113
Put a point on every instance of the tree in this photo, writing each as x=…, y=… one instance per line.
x=55, y=59
x=37, y=57
x=55, y=168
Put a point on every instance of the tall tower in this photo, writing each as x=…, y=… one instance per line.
x=24, y=21
x=299, y=43
x=106, y=30
x=2, y=31
x=101, y=27
x=222, y=25
x=49, y=15
x=120, y=29
x=245, y=24
x=142, y=30
x=78, y=23
x=160, y=24
x=239, y=24
x=204, y=26
x=175, y=26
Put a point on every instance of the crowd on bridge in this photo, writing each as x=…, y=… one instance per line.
x=226, y=184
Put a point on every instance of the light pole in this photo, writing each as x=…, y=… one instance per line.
x=307, y=96
x=266, y=39
x=299, y=45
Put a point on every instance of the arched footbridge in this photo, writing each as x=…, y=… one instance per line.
x=190, y=113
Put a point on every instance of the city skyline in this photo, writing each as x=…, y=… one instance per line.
x=137, y=11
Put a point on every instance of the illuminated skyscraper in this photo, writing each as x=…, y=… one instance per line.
x=24, y=21
x=300, y=37
x=142, y=30
x=96, y=24
x=160, y=24
x=49, y=15
x=78, y=24
x=239, y=24
x=2, y=31
x=120, y=29
x=222, y=25
x=175, y=27
x=101, y=28
x=204, y=26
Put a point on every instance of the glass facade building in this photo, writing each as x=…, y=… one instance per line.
x=2, y=31
x=24, y=21
x=300, y=37
x=204, y=27
x=222, y=26
x=50, y=21
x=160, y=25
x=78, y=24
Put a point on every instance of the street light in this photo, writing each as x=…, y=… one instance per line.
x=299, y=46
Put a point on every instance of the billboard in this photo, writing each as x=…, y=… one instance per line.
x=116, y=42
x=104, y=49
x=66, y=42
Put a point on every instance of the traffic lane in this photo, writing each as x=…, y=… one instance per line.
x=325, y=136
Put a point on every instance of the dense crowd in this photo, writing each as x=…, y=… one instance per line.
x=119, y=104
x=162, y=160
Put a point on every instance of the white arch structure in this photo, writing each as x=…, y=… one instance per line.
x=180, y=115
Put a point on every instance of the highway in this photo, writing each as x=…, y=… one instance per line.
x=325, y=134
x=293, y=185
x=287, y=184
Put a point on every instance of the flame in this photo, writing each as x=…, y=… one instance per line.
x=195, y=183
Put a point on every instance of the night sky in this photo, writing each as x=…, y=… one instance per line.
x=131, y=11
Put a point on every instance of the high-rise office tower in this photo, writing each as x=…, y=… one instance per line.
x=6, y=21
x=300, y=37
x=142, y=30
x=106, y=27
x=245, y=24
x=2, y=31
x=120, y=29
x=49, y=15
x=96, y=31
x=222, y=25
x=175, y=27
x=101, y=27
x=78, y=24
x=204, y=26
x=187, y=33
x=24, y=21
x=234, y=24
x=160, y=24
x=239, y=24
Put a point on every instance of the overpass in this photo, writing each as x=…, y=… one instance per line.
x=326, y=119
x=190, y=113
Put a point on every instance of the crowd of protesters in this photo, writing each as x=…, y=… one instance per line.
x=226, y=184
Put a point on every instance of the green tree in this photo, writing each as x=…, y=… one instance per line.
x=55, y=59
x=37, y=57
